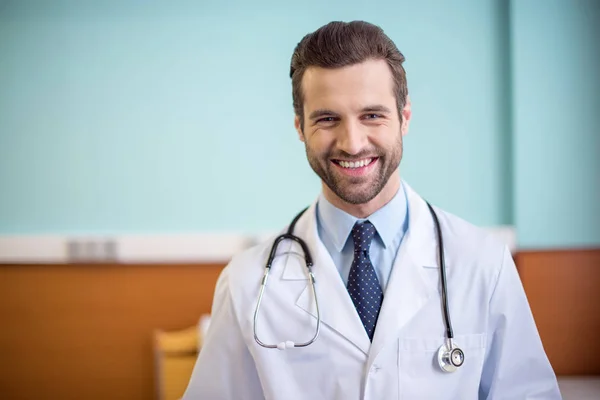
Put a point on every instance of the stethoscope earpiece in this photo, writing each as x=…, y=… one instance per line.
x=450, y=357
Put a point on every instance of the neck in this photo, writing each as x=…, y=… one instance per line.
x=366, y=209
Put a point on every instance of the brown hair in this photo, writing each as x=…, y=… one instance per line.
x=340, y=44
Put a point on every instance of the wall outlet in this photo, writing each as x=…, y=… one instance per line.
x=92, y=250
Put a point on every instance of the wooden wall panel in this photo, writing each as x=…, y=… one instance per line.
x=563, y=289
x=85, y=331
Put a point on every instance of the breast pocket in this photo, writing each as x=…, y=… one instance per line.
x=422, y=378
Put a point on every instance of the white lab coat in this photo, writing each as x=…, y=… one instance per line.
x=504, y=357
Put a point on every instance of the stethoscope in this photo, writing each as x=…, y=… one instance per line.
x=449, y=355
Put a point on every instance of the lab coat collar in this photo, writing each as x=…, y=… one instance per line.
x=408, y=289
x=421, y=241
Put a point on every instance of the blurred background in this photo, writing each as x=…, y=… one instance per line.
x=142, y=144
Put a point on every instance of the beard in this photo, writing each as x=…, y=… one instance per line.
x=356, y=190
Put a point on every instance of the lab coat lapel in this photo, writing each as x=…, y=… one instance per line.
x=407, y=290
x=336, y=307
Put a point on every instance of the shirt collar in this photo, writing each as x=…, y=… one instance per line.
x=389, y=221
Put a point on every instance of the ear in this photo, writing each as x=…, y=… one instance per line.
x=406, y=115
x=298, y=127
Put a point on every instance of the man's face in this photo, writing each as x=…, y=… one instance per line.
x=352, y=130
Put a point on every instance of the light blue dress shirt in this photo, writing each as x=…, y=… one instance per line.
x=391, y=222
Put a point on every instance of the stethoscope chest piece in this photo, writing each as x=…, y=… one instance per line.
x=450, y=357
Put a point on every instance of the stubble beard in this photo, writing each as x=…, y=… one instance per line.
x=357, y=190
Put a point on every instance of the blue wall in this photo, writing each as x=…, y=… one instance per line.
x=556, y=122
x=131, y=116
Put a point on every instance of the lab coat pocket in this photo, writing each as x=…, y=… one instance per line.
x=420, y=376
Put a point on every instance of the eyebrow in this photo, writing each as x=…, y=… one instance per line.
x=321, y=113
x=376, y=108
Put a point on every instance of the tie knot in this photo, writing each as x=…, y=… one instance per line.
x=362, y=235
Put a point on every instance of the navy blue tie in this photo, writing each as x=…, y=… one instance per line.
x=363, y=285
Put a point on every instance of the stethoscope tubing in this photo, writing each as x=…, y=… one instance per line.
x=289, y=235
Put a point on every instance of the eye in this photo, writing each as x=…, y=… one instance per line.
x=327, y=119
x=372, y=116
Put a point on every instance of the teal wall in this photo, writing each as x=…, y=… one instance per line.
x=132, y=116
x=556, y=122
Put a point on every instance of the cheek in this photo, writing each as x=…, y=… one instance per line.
x=387, y=139
x=320, y=142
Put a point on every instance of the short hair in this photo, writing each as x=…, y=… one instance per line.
x=339, y=44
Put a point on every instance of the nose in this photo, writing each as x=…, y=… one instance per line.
x=352, y=138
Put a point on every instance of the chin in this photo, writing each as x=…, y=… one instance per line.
x=357, y=198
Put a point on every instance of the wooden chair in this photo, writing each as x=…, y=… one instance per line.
x=175, y=354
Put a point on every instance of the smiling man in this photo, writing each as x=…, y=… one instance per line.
x=408, y=301
x=353, y=132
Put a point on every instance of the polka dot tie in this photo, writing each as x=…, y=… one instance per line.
x=363, y=285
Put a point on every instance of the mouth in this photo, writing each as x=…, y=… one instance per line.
x=356, y=167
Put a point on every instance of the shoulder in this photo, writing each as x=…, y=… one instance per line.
x=469, y=244
x=463, y=240
x=476, y=255
x=246, y=268
x=239, y=283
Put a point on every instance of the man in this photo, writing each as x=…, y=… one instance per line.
x=374, y=246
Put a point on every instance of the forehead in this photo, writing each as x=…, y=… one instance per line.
x=370, y=82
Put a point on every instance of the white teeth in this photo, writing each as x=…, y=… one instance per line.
x=355, y=164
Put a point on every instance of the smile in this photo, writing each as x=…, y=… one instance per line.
x=354, y=164
x=358, y=168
